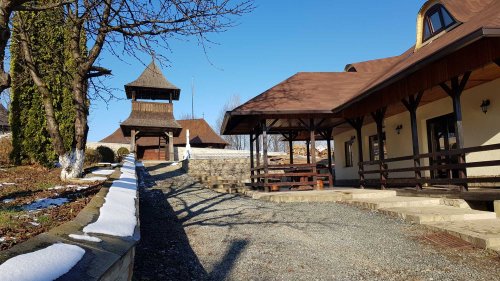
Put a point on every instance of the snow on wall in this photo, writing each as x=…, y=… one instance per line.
x=117, y=214
x=46, y=264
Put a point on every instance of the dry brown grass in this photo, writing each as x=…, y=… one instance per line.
x=5, y=149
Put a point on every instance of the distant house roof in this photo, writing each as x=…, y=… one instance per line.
x=200, y=133
x=4, y=116
x=152, y=85
x=149, y=117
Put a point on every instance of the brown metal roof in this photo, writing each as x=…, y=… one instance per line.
x=200, y=134
x=4, y=116
x=480, y=18
x=305, y=93
x=151, y=117
x=153, y=85
x=313, y=92
x=376, y=65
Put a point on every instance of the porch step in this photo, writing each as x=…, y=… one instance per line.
x=354, y=193
x=481, y=233
x=440, y=213
x=298, y=196
x=395, y=202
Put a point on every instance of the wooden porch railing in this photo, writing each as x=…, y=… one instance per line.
x=290, y=175
x=385, y=172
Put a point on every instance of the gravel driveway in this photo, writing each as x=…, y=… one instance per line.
x=192, y=233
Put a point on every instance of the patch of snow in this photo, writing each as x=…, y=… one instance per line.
x=56, y=187
x=45, y=203
x=117, y=214
x=139, y=164
x=85, y=237
x=35, y=223
x=174, y=164
x=8, y=200
x=114, y=164
x=43, y=265
x=104, y=163
x=2, y=239
x=94, y=179
x=83, y=187
x=103, y=172
x=9, y=183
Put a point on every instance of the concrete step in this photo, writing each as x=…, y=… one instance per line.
x=439, y=213
x=395, y=202
x=481, y=233
x=297, y=196
x=356, y=193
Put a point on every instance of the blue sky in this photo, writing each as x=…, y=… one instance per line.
x=278, y=39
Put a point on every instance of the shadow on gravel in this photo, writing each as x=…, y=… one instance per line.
x=164, y=252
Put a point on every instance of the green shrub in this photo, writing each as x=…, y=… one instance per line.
x=5, y=150
x=106, y=154
x=91, y=156
x=122, y=152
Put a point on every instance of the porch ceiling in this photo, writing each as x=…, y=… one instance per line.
x=280, y=124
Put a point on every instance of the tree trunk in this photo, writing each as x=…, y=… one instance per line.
x=72, y=162
x=5, y=14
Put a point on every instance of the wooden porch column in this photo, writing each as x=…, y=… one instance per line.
x=411, y=104
x=132, y=141
x=257, y=150
x=308, y=152
x=251, y=159
x=357, y=124
x=328, y=136
x=312, y=131
x=378, y=116
x=264, y=155
x=171, y=154
x=455, y=92
x=290, y=147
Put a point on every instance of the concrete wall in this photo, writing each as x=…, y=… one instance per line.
x=113, y=146
x=479, y=129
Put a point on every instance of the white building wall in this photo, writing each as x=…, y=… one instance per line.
x=479, y=129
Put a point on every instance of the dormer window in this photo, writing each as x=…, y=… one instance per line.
x=436, y=19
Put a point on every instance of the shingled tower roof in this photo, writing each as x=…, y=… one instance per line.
x=152, y=85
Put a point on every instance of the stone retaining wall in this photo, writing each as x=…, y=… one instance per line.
x=111, y=259
x=234, y=169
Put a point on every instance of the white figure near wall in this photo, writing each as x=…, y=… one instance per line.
x=187, y=151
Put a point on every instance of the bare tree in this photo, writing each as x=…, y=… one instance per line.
x=185, y=116
x=238, y=142
x=275, y=143
x=139, y=26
